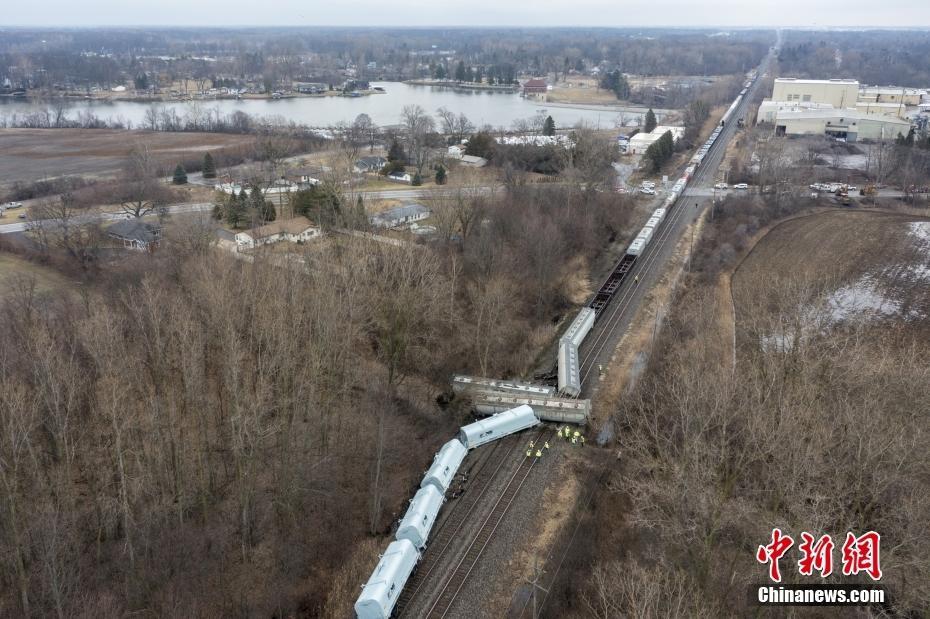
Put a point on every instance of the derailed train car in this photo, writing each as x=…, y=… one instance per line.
x=421, y=516
x=497, y=426
x=379, y=595
x=445, y=464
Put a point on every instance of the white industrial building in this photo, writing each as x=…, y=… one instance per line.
x=847, y=124
x=838, y=108
x=641, y=141
x=837, y=92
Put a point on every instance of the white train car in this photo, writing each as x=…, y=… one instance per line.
x=653, y=222
x=660, y=213
x=636, y=247
x=569, y=369
x=420, y=517
x=645, y=234
x=730, y=111
x=497, y=426
x=580, y=326
x=445, y=465
x=465, y=384
x=380, y=593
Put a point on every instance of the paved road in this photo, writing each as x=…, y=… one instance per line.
x=190, y=207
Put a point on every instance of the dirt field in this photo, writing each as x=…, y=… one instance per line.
x=846, y=265
x=33, y=154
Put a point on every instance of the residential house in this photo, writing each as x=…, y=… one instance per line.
x=296, y=230
x=535, y=87
x=400, y=177
x=305, y=176
x=136, y=234
x=400, y=216
x=456, y=151
x=473, y=161
x=370, y=164
x=309, y=88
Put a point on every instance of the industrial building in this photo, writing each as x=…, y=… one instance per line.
x=836, y=92
x=638, y=144
x=839, y=108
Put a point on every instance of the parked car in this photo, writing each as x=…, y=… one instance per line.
x=741, y=186
x=723, y=186
x=12, y=205
x=647, y=190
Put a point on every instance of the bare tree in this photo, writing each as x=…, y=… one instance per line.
x=418, y=125
x=142, y=192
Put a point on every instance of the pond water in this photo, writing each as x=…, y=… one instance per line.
x=482, y=107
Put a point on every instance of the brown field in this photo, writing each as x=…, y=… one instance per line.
x=860, y=263
x=33, y=154
x=15, y=273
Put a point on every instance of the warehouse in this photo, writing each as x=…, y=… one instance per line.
x=400, y=215
x=641, y=141
x=846, y=124
x=839, y=93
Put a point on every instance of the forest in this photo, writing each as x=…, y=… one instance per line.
x=187, y=434
x=879, y=57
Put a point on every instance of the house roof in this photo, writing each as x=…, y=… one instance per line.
x=535, y=83
x=289, y=226
x=372, y=161
x=135, y=230
x=398, y=213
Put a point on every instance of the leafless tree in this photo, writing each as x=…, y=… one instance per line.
x=142, y=192
x=418, y=125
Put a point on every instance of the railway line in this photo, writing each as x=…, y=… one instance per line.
x=465, y=566
x=447, y=534
x=618, y=293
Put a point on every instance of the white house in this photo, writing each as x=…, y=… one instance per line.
x=400, y=177
x=456, y=151
x=296, y=230
x=399, y=216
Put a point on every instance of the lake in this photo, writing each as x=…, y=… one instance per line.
x=482, y=107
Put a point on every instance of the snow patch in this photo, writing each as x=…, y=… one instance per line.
x=920, y=230
x=862, y=298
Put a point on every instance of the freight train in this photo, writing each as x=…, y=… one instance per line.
x=379, y=595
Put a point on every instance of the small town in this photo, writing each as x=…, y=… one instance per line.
x=376, y=312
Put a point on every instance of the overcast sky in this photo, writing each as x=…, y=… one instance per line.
x=810, y=13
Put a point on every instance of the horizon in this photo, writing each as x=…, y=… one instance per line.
x=724, y=14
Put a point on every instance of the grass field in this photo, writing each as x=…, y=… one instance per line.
x=16, y=272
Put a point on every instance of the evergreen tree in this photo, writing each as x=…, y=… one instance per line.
x=396, y=152
x=650, y=121
x=460, y=74
x=549, y=126
x=417, y=180
x=235, y=209
x=440, y=72
x=615, y=81
x=209, y=166
x=180, y=175
x=440, y=175
x=219, y=211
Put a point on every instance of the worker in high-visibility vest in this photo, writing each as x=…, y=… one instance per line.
x=531, y=444
x=529, y=453
x=574, y=440
x=546, y=445
x=577, y=434
x=538, y=453
x=581, y=438
x=568, y=432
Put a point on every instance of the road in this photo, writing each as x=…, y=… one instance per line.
x=174, y=209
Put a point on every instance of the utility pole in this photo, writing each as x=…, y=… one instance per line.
x=537, y=573
x=691, y=251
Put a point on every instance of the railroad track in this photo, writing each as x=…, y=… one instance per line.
x=609, y=317
x=444, y=537
x=463, y=569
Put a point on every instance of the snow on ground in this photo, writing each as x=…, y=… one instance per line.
x=850, y=162
x=920, y=230
x=860, y=299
